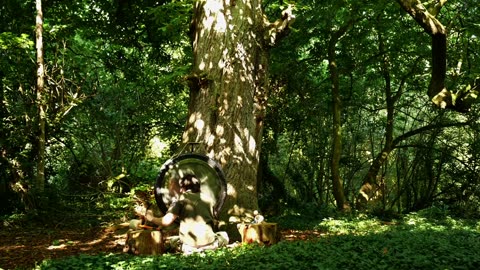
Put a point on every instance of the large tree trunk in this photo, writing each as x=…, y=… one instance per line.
x=228, y=87
x=40, y=180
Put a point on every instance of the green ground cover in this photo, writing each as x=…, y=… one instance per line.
x=429, y=239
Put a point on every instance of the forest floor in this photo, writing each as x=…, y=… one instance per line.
x=22, y=248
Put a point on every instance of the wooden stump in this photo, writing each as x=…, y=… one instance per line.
x=144, y=242
x=262, y=233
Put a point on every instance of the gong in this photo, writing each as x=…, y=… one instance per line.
x=205, y=169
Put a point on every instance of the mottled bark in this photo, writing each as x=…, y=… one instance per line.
x=228, y=92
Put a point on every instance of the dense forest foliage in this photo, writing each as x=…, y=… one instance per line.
x=349, y=119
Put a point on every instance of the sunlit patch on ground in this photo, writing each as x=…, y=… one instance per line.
x=292, y=235
x=22, y=248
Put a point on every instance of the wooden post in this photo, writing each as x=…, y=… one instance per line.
x=144, y=242
x=261, y=233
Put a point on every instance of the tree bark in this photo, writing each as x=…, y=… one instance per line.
x=261, y=233
x=228, y=92
x=425, y=16
x=369, y=181
x=40, y=179
x=144, y=242
x=369, y=184
x=337, y=183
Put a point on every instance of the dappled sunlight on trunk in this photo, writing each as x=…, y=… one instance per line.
x=228, y=91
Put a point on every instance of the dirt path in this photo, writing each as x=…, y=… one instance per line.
x=24, y=249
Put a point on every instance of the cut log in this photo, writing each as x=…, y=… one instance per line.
x=144, y=242
x=261, y=233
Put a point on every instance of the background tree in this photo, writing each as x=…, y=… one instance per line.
x=118, y=76
x=369, y=121
x=93, y=89
x=40, y=102
x=337, y=182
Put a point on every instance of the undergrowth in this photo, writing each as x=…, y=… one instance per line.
x=422, y=240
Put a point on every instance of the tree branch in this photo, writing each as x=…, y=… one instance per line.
x=425, y=16
x=414, y=132
x=274, y=32
x=422, y=16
